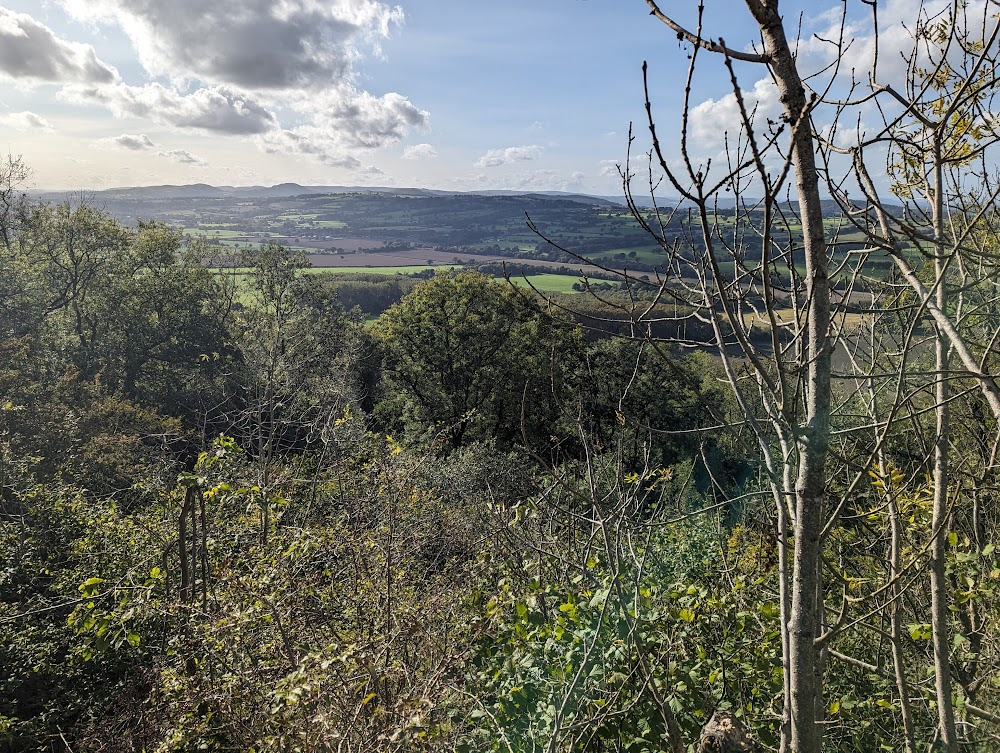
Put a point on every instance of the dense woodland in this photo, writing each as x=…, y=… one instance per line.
x=757, y=493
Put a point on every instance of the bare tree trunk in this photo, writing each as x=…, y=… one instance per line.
x=784, y=581
x=187, y=567
x=204, y=551
x=896, y=631
x=802, y=423
x=805, y=684
x=939, y=583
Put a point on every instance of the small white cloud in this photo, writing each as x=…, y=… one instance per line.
x=420, y=151
x=184, y=157
x=26, y=121
x=497, y=157
x=308, y=141
x=342, y=121
x=133, y=143
x=610, y=167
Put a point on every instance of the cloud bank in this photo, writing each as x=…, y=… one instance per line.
x=279, y=73
x=253, y=44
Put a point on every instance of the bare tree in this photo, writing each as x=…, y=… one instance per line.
x=13, y=175
x=938, y=126
x=796, y=393
x=776, y=291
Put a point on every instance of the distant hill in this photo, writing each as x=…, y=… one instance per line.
x=203, y=190
x=113, y=197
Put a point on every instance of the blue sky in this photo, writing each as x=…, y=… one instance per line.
x=453, y=94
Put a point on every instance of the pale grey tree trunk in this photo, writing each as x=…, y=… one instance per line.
x=804, y=681
x=939, y=525
x=802, y=426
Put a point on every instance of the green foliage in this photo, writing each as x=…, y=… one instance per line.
x=370, y=293
x=650, y=403
x=583, y=662
x=87, y=612
x=467, y=358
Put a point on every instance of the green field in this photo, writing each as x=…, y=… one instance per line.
x=548, y=283
x=213, y=232
x=403, y=270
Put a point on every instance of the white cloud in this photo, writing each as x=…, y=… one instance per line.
x=219, y=109
x=497, y=157
x=135, y=143
x=360, y=120
x=369, y=170
x=308, y=141
x=31, y=53
x=420, y=151
x=898, y=19
x=26, y=121
x=609, y=168
x=343, y=121
x=526, y=180
x=712, y=120
x=184, y=157
x=252, y=44
x=232, y=65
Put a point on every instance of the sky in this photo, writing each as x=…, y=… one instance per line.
x=447, y=94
